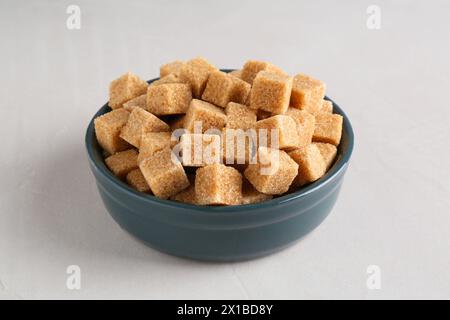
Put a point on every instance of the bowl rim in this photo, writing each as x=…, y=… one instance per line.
x=335, y=170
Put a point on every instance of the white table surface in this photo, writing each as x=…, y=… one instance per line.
x=394, y=207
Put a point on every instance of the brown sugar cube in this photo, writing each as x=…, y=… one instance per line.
x=280, y=126
x=307, y=93
x=170, y=78
x=173, y=67
x=188, y=194
x=200, y=149
x=236, y=73
x=251, y=195
x=305, y=125
x=125, y=88
x=140, y=122
x=239, y=116
x=328, y=152
x=241, y=91
x=107, y=130
x=136, y=180
x=122, y=162
x=195, y=72
x=222, y=88
x=218, y=88
x=164, y=174
x=140, y=102
x=272, y=172
x=170, y=98
x=252, y=68
x=311, y=164
x=237, y=146
x=204, y=114
x=152, y=142
x=327, y=107
x=328, y=128
x=271, y=92
x=217, y=184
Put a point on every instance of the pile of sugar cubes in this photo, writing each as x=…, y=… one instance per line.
x=205, y=137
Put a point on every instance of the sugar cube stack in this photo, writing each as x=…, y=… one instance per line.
x=201, y=136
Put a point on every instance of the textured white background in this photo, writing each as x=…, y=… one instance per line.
x=394, y=208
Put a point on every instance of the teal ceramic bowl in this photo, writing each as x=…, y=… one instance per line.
x=220, y=233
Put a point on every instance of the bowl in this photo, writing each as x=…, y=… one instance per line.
x=220, y=233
